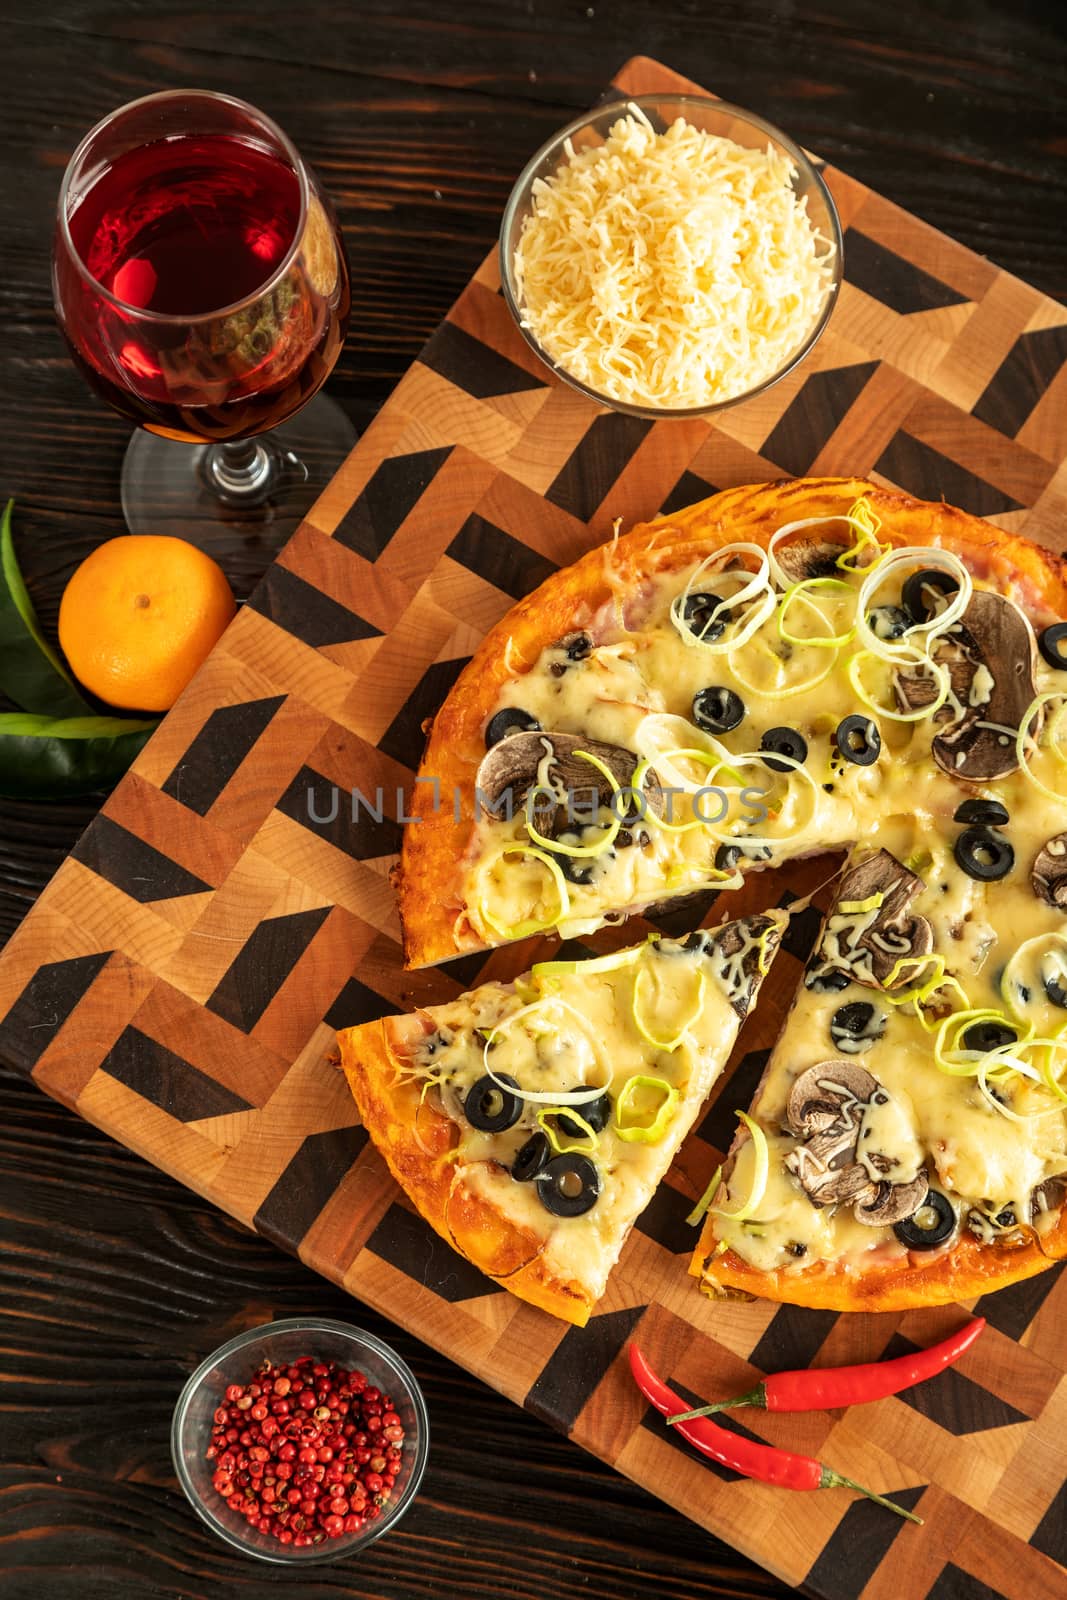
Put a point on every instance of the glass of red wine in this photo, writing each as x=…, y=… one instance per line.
x=201, y=282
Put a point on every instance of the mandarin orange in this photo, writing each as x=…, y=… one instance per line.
x=139, y=616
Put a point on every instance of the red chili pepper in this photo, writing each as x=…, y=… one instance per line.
x=748, y=1456
x=821, y=1388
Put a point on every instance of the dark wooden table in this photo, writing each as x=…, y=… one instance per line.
x=114, y=1282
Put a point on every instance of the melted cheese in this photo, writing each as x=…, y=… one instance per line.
x=981, y=1154
x=673, y=269
x=787, y=1230
x=887, y=1131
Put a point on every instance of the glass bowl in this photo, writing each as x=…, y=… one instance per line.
x=283, y=1343
x=710, y=116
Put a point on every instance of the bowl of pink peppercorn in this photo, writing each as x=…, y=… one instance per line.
x=301, y=1441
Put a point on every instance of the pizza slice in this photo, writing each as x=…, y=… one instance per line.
x=907, y=1144
x=531, y=1122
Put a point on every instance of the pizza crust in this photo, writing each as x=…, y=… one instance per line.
x=963, y=1272
x=430, y=872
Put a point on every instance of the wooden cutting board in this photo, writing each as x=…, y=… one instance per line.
x=179, y=981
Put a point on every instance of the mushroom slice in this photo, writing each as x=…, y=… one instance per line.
x=917, y=688
x=570, y=787
x=1049, y=872
x=831, y=1094
x=845, y=1184
x=825, y=1109
x=1048, y=1196
x=809, y=558
x=868, y=945
x=736, y=949
x=991, y=656
x=892, y=1202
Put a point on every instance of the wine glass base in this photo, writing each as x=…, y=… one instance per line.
x=168, y=489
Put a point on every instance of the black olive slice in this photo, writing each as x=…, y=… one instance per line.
x=855, y=1027
x=858, y=740
x=576, y=869
x=889, y=622
x=697, y=611
x=513, y=719
x=1056, y=991
x=574, y=648
x=783, y=742
x=919, y=595
x=578, y=646
x=1053, y=645
x=988, y=1035
x=829, y=982
x=984, y=855
x=728, y=855
x=989, y=813
x=625, y=839
x=717, y=709
x=932, y=1224
x=1054, y=980
x=532, y=1158
x=490, y=1108
x=568, y=1186
x=596, y=1113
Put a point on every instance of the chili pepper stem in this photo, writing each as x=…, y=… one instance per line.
x=754, y=1397
x=835, y=1480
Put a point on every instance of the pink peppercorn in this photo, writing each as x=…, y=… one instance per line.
x=307, y=1477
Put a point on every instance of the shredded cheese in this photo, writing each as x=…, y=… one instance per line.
x=670, y=269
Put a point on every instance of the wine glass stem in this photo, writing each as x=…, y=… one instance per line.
x=244, y=473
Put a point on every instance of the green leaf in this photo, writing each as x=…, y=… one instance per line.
x=48, y=758
x=31, y=672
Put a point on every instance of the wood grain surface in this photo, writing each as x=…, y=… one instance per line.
x=418, y=126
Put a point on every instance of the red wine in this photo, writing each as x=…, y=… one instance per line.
x=196, y=229
x=186, y=226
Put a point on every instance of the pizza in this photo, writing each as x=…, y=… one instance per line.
x=785, y=670
x=531, y=1122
